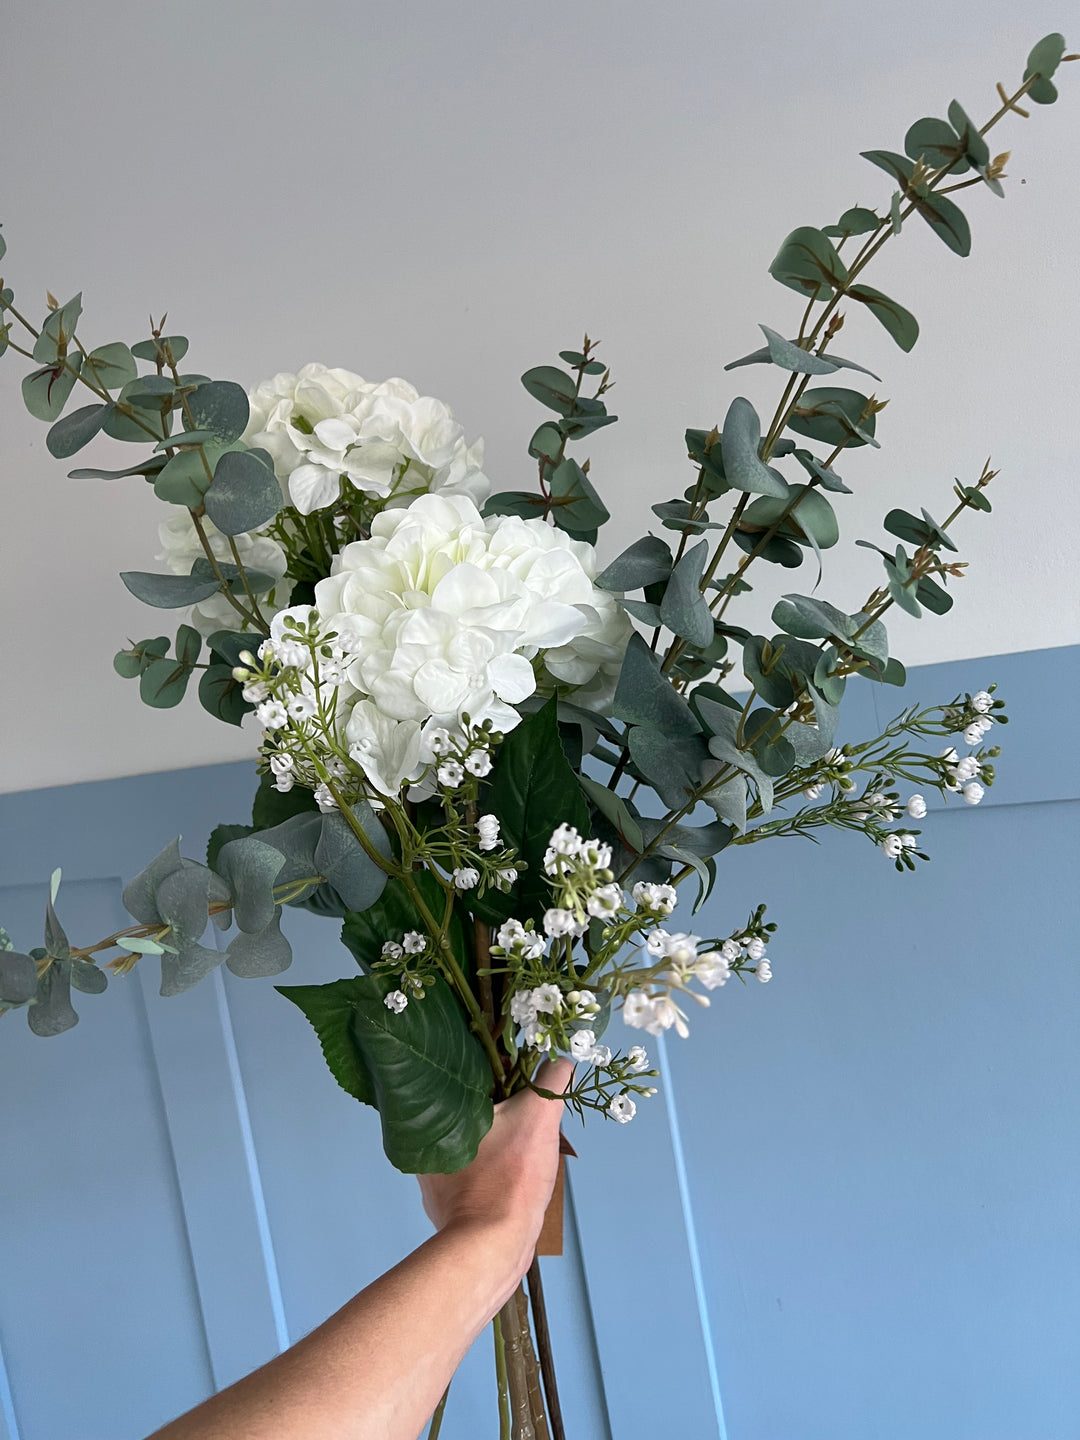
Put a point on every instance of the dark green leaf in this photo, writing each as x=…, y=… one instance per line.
x=936, y=143
x=810, y=619
x=812, y=515
x=856, y=221
x=422, y=1070
x=770, y=683
x=249, y=868
x=168, y=592
x=57, y=333
x=929, y=593
x=676, y=514
x=675, y=766
x=147, y=468
x=245, y=493
x=162, y=350
x=644, y=696
x=975, y=149
x=575, y=504
x=776, y=550
x=575, y=427
x=684, y=609
x=533, y=790
x=723, y=725
x=220, y=406
x=220, y=836
x=945, y=219
x=552, y=387
x=615, y=810
x=1045, y=58
x=808, y=262
x=834, y=416
x=515, y=502
x=163, y=683
x=900, y=323
x=898, y=166
x=740, y=441
x=148, y=396
x=183, y=479
x=220, y=694
x=642, y=610
x=729, y=802
x=71, y=433
x=272, y=806
x=645, y=562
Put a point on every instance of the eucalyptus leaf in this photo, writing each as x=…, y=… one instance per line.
x=220, y=406
x=45, y=392
x=898, y=166
x=168, y=592
x=810, y=619
x=834, y=416
x=251, y=955
x=675, y=766
x=937, y=143
x=947, y=220
x=900, y=323
x=808, y=262
x=73, y=431
x=191, y=964
x=341, y=858
x=51, y=1011
x=220, y=694
x=88, y=978
x=147, y=468
x=723, y=725
x=18, y=978
x=826, y=477
x=163, y=683
x=515, y=502
x=249, y=868
x=57, y=333
x=245, y=493
x=575, y=505
x=644, y=696
x=162, y=349
x=646, y=561
x=729, y=802
x=552, y=387
x=811, y=516
x=856, y=221
x=615, y=810
x=111, y=366
x=770, y=683
x=740, y=442
x=684, y=609
x=788, y=355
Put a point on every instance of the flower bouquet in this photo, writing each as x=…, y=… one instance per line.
x=493, y=760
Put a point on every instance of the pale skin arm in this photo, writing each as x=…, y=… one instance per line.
x=377, y=1369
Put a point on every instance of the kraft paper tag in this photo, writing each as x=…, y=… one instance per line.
x=551, y=1234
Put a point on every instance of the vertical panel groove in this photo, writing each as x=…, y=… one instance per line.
x=7, y=1402
x=571, y=1215
x=251, y=1160
x=691, y=1237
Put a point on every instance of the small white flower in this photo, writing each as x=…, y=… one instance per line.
x=665, y=1014
x=973, y=793
x=284, y=783
x=451, y=774
x=537, y=1036
x=916, y=807
x=565, y=841
x=655, y=897
x=255, y=692
x=605, y=901
x=833, y=756
x=271, y=714
x=508, y=933
x=600, y=1056
x=729, y=952
x=712, y=969
x=280, y=762
x=584, y=1003
x=891, y=846
x=908, y=841
x=396, y=1001
x=547, y=999
x=755, y=948
x=391, y=950
x=582, y=1044
x=982, y=702
x=681, y=949
x=813, y=791
x=949, y=755
x=595, y=854
x=505, y=878
x=466, y=878
x=622, y=1108
x=656, y=942
x=558, y=921
x=413, y=943
x=267, y=650
x=973, y=735
x=487, y=827
x=637, y=1059
x=478, y=763
x=532, y=947
x=324, y=799
x=439, y=740
x=292, y=653
x=522, y=1009
x=637, y=1010
x=764, y=971
x=301, y=707
x=966, y=769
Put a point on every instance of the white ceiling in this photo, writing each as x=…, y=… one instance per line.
x=453, y=192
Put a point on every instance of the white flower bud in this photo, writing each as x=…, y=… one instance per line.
x=973, y=793
x=412, y=942
x=637, y=1059
x=622, y=1108
x=487, y=827
x=558, y=921
x=980, y=702
x=891, y=846
x=764, y=971
x=755, y=948
x=466, y=878
x=916, y=807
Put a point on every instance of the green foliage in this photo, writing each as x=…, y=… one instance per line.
x=684, y=609
x=616, y=811
x=252, y=956
x=645, y=562
x=807, y=261
x=339, y=856
x=812, y=520
x=900, y=323
x=575, y=505
x=1043, y=62
x=110, y=366
x=834, y=417
x=552, y=387
x=161, y=349
x=422, y=1070
x=532, y=789
x=740, y=443
x=45, y=392
x=273, y=806
x=221, y=407
x=18, y=977
x=245, y=493
x=51, y=1011
x=74, y=431
x=645, y=696
x=168, y=592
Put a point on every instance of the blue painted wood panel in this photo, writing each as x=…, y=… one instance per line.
x=851, y=1213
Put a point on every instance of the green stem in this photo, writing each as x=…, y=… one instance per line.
x=501, y=1379
x=437, y=1418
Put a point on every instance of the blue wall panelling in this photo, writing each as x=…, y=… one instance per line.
x=851, y=1215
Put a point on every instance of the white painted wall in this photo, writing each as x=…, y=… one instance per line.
x=453, y=192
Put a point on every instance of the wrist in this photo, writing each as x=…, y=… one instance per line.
x=504, y=1244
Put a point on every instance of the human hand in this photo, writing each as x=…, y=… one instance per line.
x=508, y=1186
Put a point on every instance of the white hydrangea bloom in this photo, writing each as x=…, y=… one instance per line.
x=443, y=613
x=181, y=547
x=388, y=440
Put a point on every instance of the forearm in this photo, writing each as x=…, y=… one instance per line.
x=376, y=1369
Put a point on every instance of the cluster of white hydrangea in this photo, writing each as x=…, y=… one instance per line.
x=324, y=426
